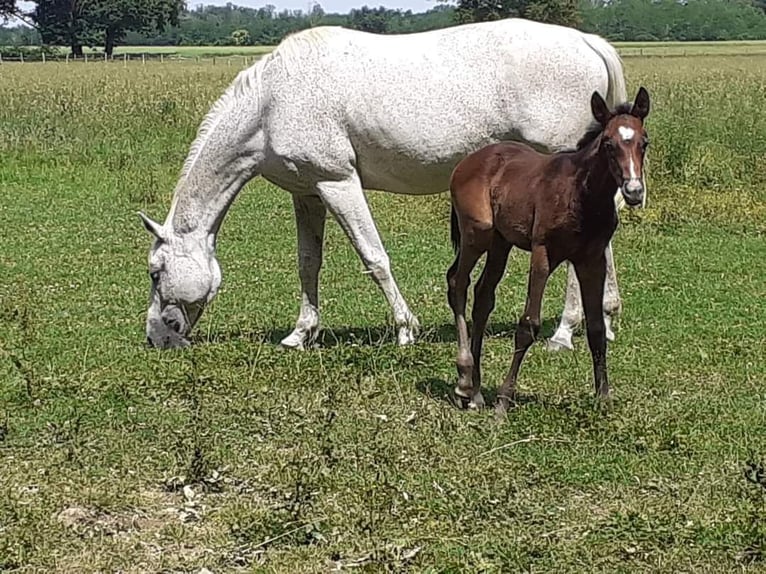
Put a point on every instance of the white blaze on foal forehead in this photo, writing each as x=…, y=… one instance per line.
x=626, y=133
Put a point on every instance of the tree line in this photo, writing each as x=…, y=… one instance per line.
x=106, y=23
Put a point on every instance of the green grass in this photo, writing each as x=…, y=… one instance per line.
x=626, y=49
x=351, y=453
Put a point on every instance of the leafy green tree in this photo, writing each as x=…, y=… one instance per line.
x=113, y=18
x=63, y=22
x=564, y=12
x=240, y=38
x=370, y=19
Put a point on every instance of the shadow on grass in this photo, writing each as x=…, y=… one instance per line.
x=364, y=336
x=441, y=390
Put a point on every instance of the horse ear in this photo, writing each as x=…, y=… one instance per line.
x=599, y=109
x=152, y=226
x=640, y=107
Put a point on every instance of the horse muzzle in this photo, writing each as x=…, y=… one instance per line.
x=633, y=192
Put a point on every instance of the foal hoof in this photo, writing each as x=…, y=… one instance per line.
x=503, y=405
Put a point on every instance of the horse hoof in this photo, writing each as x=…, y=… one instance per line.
x=293, y=342
x=406, y=336
x=554, y=345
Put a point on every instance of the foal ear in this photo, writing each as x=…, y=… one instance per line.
x=152, y=226
x=599, y=109
x=641, y=104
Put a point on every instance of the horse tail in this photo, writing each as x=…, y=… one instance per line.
x=616, y=91
x=454, y=229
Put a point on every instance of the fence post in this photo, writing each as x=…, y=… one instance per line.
x=85, y=57
x=21, y=55
x=1, y=57
x=125, y=59
x=67, y=57
x=162, y=58
x=43, y=53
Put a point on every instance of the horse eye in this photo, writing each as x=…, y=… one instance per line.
x=155, y=276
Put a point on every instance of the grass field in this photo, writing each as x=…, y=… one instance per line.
x=626, y=49
x=235, y=456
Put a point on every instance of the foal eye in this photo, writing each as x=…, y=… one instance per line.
x=155, y=276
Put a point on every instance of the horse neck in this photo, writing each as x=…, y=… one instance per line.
x=598, y=184
x=225, y=156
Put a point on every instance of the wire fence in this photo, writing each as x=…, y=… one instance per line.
x=127, y=58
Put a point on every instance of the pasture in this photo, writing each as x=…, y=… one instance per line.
x=235, y=456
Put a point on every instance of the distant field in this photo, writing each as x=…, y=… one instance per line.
x=733, y=48
x=626, y=49
x=237, y=457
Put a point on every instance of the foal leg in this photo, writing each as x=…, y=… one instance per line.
x=310, y=215
x=345, y=200
x=484, y=303
x=458, y=279
x=529, y=324
x=592, y=275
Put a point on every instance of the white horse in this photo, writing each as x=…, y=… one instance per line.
x=332, y=111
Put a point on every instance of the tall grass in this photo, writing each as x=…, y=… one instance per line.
x=235, y=456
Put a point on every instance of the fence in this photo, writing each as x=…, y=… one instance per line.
x=126, y=58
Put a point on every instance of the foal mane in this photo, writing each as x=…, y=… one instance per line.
x=596, y=128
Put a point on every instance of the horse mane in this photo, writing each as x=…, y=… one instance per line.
x=595, y=128
x=291, y=51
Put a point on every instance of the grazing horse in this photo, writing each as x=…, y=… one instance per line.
x=332, y=111
x=560, y=207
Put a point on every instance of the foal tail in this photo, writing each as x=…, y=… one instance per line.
x=454, y=229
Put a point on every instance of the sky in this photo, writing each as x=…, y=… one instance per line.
x=342, y=6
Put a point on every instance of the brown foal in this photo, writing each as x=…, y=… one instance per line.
x=560, y=207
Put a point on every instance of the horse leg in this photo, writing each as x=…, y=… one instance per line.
x=345, y=200
x=612, y=303
x=592, y=275
x=310, y=215
x=458, y=279
x=484, y=303
x=571, y=317
x=528, y=326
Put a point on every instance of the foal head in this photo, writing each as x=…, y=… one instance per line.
x=623, y=141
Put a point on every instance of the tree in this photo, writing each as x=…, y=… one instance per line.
x=564, y=12
x=7, y=8
x=78, y=23
x=370, y=19
x=240, y=38
x=113, y=18
x=63, y=22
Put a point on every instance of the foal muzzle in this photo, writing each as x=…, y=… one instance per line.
x=633, y=192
